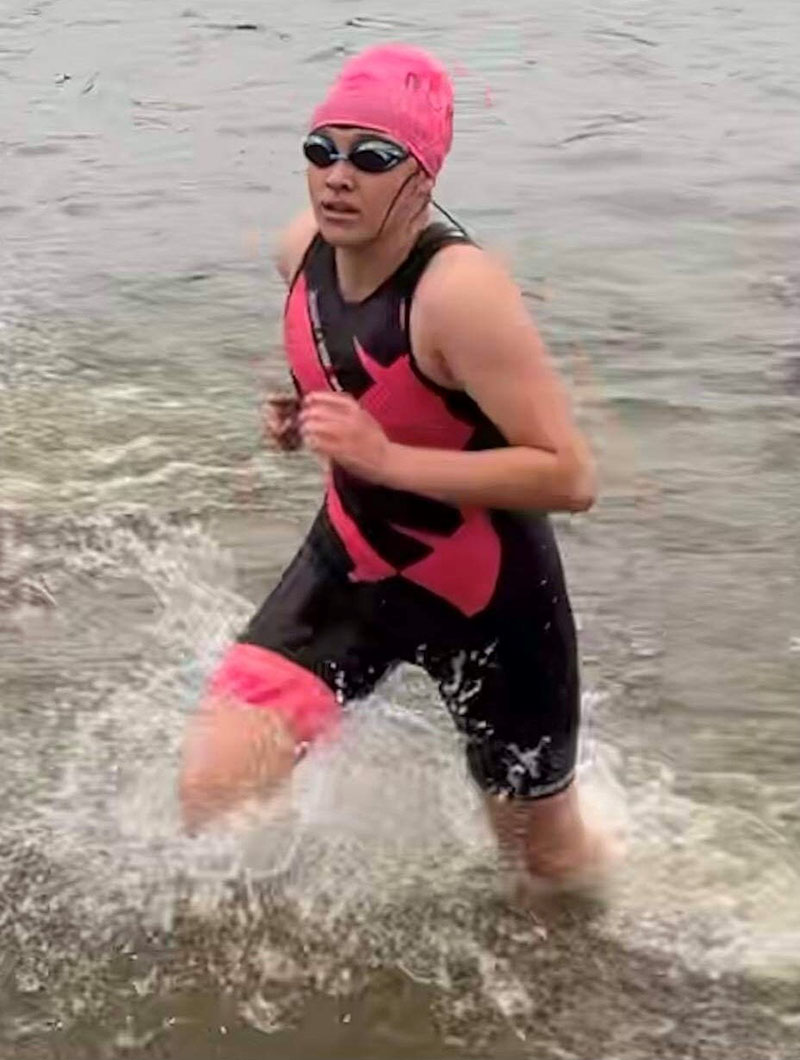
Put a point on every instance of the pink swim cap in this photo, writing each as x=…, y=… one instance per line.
x=399, y=91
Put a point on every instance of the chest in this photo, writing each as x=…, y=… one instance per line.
x=365, y=350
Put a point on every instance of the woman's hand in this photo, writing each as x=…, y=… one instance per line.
x=334, y=426
x=282, y=421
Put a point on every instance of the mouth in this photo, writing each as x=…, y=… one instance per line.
x=337, y=210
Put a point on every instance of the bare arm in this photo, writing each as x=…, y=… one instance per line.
x=281, y=410
x=472, y=313
x=293, y=243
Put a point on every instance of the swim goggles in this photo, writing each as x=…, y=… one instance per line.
x=373, y=155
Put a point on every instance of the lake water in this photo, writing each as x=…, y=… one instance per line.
x=637, y=165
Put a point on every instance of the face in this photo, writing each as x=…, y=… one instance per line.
x=353, y=208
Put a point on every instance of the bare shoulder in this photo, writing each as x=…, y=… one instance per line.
x=469, y=316
x=464, y=278
x=293, y=243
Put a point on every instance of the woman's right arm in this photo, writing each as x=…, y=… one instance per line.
x=293, y=243
x=281, y=408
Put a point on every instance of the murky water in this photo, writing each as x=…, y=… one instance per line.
x=637, y=164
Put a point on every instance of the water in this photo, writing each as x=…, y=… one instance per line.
x=636, y=164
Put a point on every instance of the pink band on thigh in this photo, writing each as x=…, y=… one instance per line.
x=263, y=678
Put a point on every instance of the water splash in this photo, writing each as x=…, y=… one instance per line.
x=376, y=861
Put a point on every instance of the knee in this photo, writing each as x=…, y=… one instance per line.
x=232, y=752
x=553, y=841
x=546, y=836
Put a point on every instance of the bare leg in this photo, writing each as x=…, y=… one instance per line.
x=232, y=752
x=550, y=838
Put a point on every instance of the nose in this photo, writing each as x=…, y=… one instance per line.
x=339, y=176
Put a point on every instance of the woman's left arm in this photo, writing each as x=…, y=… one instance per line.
x=472, y=313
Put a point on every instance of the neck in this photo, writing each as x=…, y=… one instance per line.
x=361, y=270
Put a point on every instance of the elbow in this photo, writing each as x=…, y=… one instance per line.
x=581, y=500
x=281, y=265
x=582, y=489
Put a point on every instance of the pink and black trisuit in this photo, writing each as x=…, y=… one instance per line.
x=476, y=597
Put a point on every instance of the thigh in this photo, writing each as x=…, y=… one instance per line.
x=514, y=693
x=315, y=618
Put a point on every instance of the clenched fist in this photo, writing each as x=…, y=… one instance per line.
x=282, y=420
x=334, y=426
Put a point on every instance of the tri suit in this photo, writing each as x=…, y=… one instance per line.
x=474, y=596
